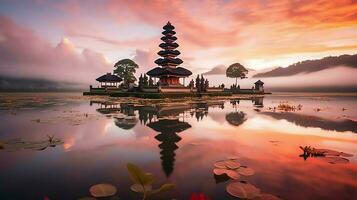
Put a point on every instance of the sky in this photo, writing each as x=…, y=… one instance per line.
x=77, y=41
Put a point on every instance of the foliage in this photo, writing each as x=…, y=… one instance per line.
x=191, y=84
x=236, y=71
x=126, y=69
x=198, y=84
x=231, y=169
x=328, y=155
x=151, y=82
x=143, y=182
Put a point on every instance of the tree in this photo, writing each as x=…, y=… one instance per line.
x=198, y=83
x=206, y=85
x=191, y=84
x=202, y=84
x=141, y=81
x=236, y=71
x=145, y=81
x=151, y=82
x=126, y=69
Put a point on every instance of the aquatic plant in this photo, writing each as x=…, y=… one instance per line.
x=18, y=144
x=103, y=190
x=241, y=189
x=330, y=156
x=285, y=106
x=143, y=182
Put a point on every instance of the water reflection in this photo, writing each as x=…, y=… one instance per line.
x=314, y=121
x=168, y=137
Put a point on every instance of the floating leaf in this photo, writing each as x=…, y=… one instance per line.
x=232, y=164
x=230, y=173
x=343, y=154
x=141, y=188
x=87, y=198
x=335, y=160
x=242, y=190
x=138, y=176
x=245, y=171
x=266, y=196
x=103, y=190
x=220, y=164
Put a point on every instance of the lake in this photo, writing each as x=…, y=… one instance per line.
x=57, y=145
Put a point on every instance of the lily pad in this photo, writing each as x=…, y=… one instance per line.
x=243, y=190
x=230, y=173
x=335, y=160
x=246, y=171
x=103, y=190
x=232, y=164
x=266, y=196
x=343, y=154
x=220, y=164
x=141, y=188
x=87, y=198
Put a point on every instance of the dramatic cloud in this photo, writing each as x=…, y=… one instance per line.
x=25, y=54
x=255, y=33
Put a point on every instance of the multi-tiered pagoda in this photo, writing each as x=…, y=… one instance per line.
x=169, y=73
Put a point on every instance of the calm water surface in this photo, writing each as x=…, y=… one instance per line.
x=176, y=141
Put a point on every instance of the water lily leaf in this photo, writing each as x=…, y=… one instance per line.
x=138, y=176
x=343, y=154
x=220, y=164
x=164, y=188
x=335, y=160
x=103, y=190
x=230, y=173
x=87, y=198
x=243, y=190
x=327, y=152
x=232, y=164
x=141, y=188
x=246, y=171
x=39, y=146
x=266, y=196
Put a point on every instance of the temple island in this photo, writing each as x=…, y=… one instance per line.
x=167, y=80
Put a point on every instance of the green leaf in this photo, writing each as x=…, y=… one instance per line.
x=139, y=176
x=141, y=188
x=164, y=188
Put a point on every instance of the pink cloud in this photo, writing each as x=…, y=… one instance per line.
x=25, y=54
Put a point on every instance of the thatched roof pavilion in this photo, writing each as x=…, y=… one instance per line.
x=108, y=80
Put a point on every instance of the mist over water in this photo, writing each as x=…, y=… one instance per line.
x=337, y=77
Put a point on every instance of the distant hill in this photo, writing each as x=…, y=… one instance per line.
x=309, y=66
x=8, y=84
x=221, y=69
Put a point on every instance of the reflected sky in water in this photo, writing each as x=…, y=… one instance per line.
x=178, y=142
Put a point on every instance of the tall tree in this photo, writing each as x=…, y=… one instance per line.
x=145, y=80
x=126, y=69
x=236, y=71
x=198, y=83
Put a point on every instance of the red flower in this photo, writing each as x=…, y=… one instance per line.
x=46, y=198
x=200, y=196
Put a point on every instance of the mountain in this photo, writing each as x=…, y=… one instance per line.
x=309, y=66
x=221, y=69
x=9, y=84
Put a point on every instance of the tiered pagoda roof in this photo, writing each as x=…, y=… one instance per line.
x=169, y=60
